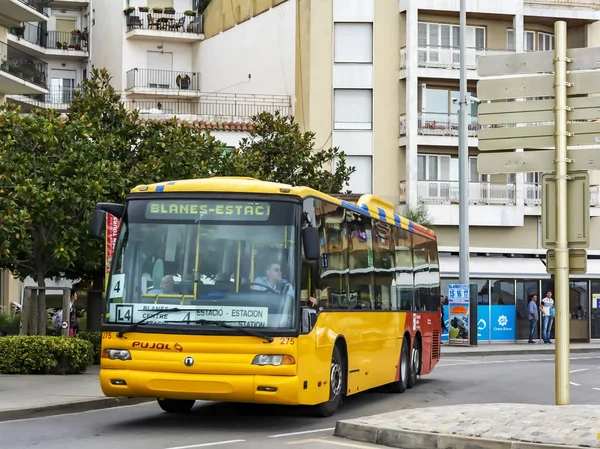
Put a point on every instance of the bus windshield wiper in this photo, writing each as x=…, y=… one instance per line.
x=133, y=326
x=227, y=326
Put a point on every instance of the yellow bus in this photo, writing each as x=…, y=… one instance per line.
x=234, y=289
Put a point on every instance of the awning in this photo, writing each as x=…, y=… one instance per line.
x=508, y=268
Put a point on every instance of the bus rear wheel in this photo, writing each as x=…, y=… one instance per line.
x=401, y=384
x=337, y=382
x=176, y=405
x=415, y=363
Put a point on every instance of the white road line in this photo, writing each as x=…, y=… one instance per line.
x=579, y=370
x=597, y=389
x=486, y=362
x=573, y=383
x=216, y=443
x=297, y=433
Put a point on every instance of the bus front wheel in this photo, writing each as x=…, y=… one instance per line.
x=337, y=384
x=176, y=405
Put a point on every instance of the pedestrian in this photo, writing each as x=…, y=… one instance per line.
x=533, y=316
x=547, y=309
x=73, y=323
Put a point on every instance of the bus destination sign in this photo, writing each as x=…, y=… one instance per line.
x=208, y=210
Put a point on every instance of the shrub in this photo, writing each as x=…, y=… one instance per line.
x=95, y=338
x=42, y=355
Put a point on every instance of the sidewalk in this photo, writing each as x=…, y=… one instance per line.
x=32, y=396
x=484, y=349
x=487, y=426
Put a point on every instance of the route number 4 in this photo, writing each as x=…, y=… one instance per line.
x=116, y=286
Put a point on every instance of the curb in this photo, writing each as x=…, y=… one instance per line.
x=70, y=407
x=478, y=353
x=410, y=439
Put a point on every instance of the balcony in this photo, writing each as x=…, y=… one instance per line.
x=21, y=73
x=68, y=3
x=163, y=24
x=438, y=60
x=32, y=38
x=439, y=129
x=446, y=192
x=163, y=82
x=533, y=195
x=58, y=98
x=214, y=106
x=14, y=12
x=592, y=4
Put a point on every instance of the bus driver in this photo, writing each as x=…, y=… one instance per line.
x=272, y=280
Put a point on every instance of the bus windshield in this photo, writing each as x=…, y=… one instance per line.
x=216, y=260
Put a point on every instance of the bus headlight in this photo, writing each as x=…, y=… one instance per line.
x=116, y=354
x=275, y=360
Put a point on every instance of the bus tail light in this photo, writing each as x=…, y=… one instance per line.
x=116, y=354
x=275, y=360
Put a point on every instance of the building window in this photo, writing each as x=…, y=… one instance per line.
x=439, y=43
x=439, y=108
x=360, y=180
x=433, y=167
x=545, y=41
x=529, y=40
x=353, y=108
x=353, y=42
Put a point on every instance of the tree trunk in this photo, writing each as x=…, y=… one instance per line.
x=95, y=306
x=33, y=313
x=42, y=314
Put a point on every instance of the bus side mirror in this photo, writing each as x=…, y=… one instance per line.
x=97, y=224
x=310, y=241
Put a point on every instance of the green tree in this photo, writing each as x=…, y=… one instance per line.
x=419, y=214
x=278, y=151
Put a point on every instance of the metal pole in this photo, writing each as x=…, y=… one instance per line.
x=463, y=153
x=561, y=289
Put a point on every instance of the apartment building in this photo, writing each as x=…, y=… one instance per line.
x=62, y=42
x=379, y=79
x=20, y=74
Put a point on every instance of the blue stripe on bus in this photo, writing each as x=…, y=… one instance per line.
x=353, y=207
x=396, y=220
x=411, y=225
x=160, y=188
x=381, y=213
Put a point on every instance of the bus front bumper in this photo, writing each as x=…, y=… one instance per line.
x=210, y=387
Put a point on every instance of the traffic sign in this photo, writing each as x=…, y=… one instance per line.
x=581, y=83
x=577, y=261
x=511, y=138
x=536, y=62
x=531, y=111
x=535, y=161
x=578, y=210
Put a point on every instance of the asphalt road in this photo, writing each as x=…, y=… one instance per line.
x=521, y=379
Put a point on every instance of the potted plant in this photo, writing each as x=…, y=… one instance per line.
x=59, y=45
x=169, y=10
x=75, y=33
x=128, y=10
x=190, y=13
x=143, y=8
x=157, y=10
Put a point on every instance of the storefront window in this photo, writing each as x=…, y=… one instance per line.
x=502, y=311
x=525, y=289
x=579, y=310
x=595, y=310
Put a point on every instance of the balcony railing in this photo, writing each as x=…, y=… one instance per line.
x=160, y=19
x=238, y=106
x=38, y=5
x=22, y=65
x=439, y=124
x=57, y=98
x=573, y=3
x=439, y=57
x=447, y=192
x=62, y=40
x=162, y=79
x=533, y=195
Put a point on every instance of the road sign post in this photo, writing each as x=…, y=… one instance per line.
x=567, y=117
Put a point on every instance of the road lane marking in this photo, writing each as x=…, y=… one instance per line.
x=216, y=443
x=488, y=362
x=597, y=389
x=579, y=370
x=573, y=383
x=301, y=433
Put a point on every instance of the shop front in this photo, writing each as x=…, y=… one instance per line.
x=502, y=288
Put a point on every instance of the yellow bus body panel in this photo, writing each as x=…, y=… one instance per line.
x=223, y=370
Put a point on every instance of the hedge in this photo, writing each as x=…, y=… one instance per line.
x=95, y=338
x=41, y=355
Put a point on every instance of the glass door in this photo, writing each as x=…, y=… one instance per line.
x=525, y=290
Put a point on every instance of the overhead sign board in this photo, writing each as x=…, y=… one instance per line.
x=577, y=261
x=511, y=138
x=536, y=62
x=535, y=161
x=578, y=210
x=582, y=83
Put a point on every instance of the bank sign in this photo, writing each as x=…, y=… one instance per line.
x=497, y=324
